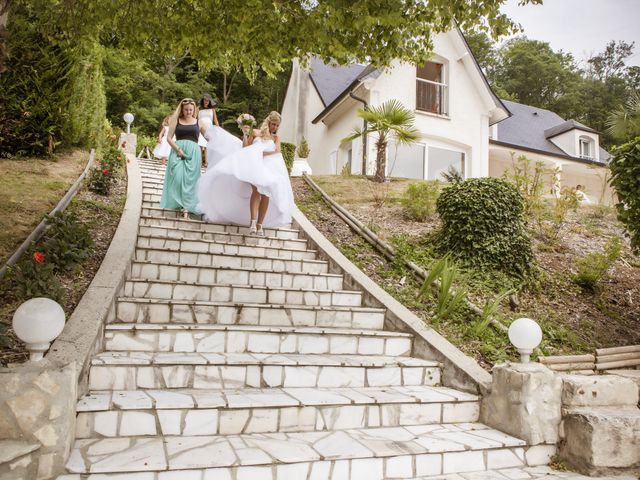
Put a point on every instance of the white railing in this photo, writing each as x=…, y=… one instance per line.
x=431, y=97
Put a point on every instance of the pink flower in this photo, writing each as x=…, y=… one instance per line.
x=105, y=171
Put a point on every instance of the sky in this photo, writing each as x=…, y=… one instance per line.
x=581, y=27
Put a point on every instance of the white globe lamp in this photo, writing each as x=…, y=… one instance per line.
x=128, y=118
x=525, y=334
x=37, y=322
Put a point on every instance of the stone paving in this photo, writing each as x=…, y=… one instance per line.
x=244, y=358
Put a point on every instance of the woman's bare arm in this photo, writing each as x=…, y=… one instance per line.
x=172, y=131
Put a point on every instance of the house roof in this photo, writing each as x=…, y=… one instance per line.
x=565, y=127
x=531, y=127
x=332, y=80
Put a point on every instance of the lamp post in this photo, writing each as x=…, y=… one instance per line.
x=128, y=118
x=37, y=322
x=525, y=334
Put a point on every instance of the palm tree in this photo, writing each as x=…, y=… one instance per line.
x=624, y=123
x=391, y=121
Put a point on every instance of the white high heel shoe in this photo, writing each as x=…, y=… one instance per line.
x=253, y=228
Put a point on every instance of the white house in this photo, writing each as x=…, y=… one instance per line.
x=463, y=124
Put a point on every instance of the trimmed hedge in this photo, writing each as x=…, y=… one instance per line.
x=625, y=178
x=482, y=226
x=288, y=151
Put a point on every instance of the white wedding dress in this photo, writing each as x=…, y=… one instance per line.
x=220, y=144
x=163, y=149
x=224, y=190
x=205, y=119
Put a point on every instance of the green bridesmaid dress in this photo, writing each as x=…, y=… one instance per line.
x=181, y=176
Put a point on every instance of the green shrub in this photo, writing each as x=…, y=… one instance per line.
x=482, y=226
x=303, y=149
x=100, y=180
x=67, y=242
x=419, y=200
x=593, y=267
x=288, y=151
x=625, y=179
x=34, y=276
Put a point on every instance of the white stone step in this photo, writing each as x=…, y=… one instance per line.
x=142, y=370
x=156, y=311
x=230, y=261
x=132, y=337
x=357, y=454
x=211, y=275
x=173, y=218
x=229, y=412
x=211, y=246
x=168, y=289
x=223, y=237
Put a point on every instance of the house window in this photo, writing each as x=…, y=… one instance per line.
x=586, y=148
x=406, y=161
x=431, y=89
x=440, y=160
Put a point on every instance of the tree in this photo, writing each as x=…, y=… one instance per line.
x=533, y=74
x=484, y=50
x=389, y=121
x=624, y=123
x=250, y=35
x=610, y=62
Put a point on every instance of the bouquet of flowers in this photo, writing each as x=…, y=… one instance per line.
x=246, y=120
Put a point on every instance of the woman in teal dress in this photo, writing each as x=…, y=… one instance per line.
x=183, y=167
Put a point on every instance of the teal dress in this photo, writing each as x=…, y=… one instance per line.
x=181, y=176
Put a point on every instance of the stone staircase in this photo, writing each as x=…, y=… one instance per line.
x=238, y=357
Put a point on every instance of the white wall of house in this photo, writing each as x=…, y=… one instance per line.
x=591, y=178
x=463, y=128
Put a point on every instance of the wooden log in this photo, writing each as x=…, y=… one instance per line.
x=567, y=359
x=619, y=364
x=614, y=350
x=565, y=367
x=618, y=356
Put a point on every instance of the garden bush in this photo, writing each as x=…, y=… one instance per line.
x=67, y=242
x=483, y=227
x=419, y=200
x=593, y=267
x=625, y=178
x=288, y=151
x=34, y=276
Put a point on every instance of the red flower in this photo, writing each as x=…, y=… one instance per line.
x=38, y=257
x=105, y=171
x=124, y=144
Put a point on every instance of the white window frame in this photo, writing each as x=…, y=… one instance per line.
x=590, y=148
x=444, y=107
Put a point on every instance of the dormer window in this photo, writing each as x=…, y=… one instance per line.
x=431, y=89
x=586, y=148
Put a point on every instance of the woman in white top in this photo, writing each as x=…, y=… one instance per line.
x=163, y=148
x=206, y=119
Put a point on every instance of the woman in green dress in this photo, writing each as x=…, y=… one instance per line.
x=183, y=167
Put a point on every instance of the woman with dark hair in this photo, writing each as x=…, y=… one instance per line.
x=206, y=119
x=183, y=168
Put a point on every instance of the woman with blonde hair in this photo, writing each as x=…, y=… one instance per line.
x=251, y=185
x=183, y=168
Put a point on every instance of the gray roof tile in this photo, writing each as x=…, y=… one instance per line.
x=528, y=127
x=331, y=80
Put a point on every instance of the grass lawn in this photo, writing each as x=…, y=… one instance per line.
x=31, y=188
x=573, y=320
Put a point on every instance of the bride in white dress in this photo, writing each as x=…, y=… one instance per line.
x=250, y=185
